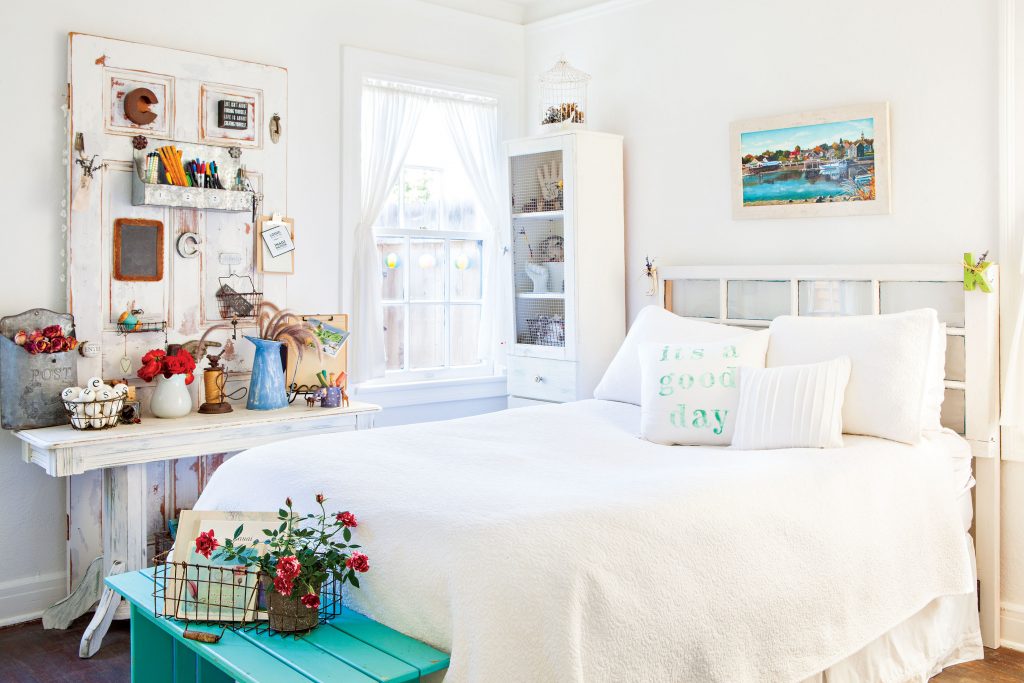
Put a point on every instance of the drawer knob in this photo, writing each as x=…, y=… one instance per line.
x=538, y=379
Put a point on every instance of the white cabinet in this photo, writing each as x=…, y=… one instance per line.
x=568, y=257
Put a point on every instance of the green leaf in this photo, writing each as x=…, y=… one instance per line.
x=347, y=534
x=268, y=532
x=354, y=581
x=282, y=513
x=354, y=546
x=238, y=531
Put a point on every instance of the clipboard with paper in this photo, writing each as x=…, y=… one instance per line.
x=332, y=331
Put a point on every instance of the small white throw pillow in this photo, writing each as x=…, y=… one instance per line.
x=689, y=392
x=794, y=406
x=621, y=381
x=891, y=357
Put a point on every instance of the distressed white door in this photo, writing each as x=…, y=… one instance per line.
x=187, y=87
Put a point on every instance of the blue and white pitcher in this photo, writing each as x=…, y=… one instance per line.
x=267, y=384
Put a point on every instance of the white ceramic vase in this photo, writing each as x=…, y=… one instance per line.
x=171, y=398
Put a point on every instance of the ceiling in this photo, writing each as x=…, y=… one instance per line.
x=517, y=11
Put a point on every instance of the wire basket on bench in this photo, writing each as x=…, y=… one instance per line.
x=230, y=597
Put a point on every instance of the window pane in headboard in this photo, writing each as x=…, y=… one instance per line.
x=835, y=297
x=695, y=298
x=945, y=297
x=956, y=358
x=953, y=411
x=757, y=299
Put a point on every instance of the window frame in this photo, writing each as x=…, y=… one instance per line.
x=360, y=65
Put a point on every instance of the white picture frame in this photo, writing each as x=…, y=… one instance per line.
x=829, y=162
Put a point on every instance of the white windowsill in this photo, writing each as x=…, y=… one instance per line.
x=433, y=391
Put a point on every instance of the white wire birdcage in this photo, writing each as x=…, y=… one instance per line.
x=563, y=96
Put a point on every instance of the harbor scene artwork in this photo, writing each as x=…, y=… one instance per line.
x=822, y=163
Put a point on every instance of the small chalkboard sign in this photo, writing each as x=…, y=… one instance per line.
x=232, y=114
x=138, y=250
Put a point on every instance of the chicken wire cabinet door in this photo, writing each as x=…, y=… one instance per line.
x=566, y=217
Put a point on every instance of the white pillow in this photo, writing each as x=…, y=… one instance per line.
x=891, y=360
x=689, y=392
x=621, y=381
x=793, y=406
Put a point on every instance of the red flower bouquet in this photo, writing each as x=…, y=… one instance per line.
x=301, y=554
x=47, y=340
x=159, y=362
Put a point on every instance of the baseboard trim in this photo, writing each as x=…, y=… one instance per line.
x=25, y=599
x=1011, y=625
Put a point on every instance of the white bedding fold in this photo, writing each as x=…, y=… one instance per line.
x=551, y=544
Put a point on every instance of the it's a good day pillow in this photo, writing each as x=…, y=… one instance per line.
x=689, y=392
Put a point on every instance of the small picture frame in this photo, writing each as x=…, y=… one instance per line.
x=275, y=244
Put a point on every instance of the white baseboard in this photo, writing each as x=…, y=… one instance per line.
x=1012, y=626
x=25, y=599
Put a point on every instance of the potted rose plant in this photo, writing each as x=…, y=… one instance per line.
x=302, y=554
x=173, y=372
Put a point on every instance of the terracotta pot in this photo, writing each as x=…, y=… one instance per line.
x=287, y=614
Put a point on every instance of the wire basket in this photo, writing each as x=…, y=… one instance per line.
x=236, y=302
x=98, y=414
x=233, y=598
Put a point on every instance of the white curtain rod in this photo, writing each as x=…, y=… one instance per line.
x=430, y=92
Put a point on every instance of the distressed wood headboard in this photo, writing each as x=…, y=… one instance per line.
x=753, y=295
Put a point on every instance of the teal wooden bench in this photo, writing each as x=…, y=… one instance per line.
x=350, y=649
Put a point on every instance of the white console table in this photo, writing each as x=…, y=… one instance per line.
x=121, y=453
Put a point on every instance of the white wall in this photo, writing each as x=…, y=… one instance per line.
x=304, y=37
x=670, y=75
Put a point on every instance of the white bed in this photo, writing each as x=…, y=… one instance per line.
x=552, y=544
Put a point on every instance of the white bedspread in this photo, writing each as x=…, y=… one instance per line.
x=551, y=544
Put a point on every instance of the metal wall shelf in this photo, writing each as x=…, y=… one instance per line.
x=147, y=194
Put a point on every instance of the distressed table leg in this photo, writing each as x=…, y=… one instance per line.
x=62, y=613
x=364, y=421
x=124, y=542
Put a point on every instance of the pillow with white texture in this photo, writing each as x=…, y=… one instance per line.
x=793, y=406
x=891, y=360
x=689, y=392
x=621, y=381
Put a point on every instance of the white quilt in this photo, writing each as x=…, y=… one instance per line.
x=551, y=544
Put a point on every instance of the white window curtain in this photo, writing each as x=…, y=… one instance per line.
x=389, y=120
x=473, y=127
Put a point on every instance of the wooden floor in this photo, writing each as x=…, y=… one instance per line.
x=28, y=654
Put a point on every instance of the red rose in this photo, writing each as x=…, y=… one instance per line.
x=311, y=600
x=30, y=346
x=283, y=585
x=35, y=335
x=21, y=337
x=149, y=370
x=53, y=331
x=154, y=355
x=288, y=567
x=347, y=519
x=72, y=343
x=320, y=498
x=41, y=346
x=358, y=562
x=206, y=543
x=189, y=378
x=185, y=360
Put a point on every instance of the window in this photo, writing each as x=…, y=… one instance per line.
x=430, y=244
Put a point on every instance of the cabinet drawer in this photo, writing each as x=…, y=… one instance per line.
x=542, y=379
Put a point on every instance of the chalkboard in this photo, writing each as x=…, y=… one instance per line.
x=138, y=250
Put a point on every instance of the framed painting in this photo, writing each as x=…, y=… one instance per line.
x=833, y=162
